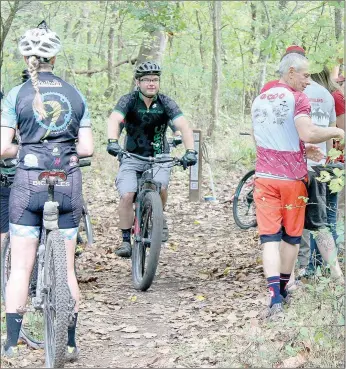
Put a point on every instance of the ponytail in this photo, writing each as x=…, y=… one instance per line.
x=33, y=66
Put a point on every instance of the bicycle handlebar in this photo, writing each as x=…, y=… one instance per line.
x=85, y=162
x=158, y=159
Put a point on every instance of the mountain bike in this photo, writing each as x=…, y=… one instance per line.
x=85, y=229
x=50, y=306
x=243, y=207
x=148, y=221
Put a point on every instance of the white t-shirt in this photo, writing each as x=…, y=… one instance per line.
x=322, y=112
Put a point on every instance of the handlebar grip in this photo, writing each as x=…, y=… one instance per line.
x=84, y=162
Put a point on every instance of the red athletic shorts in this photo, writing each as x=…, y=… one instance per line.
x=280, y=209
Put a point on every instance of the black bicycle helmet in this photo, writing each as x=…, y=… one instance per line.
x=147, y=68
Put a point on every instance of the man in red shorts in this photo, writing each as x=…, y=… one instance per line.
x=281, y=124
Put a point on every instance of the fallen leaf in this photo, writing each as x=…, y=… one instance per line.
x=132, y=336
x=200, y=298
x=129, y=329
x=149, y=335
x=293, y=362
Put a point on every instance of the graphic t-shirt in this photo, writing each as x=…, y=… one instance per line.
x=280, y=152
x=146, y=127
x=46, y=143
x=322, y=112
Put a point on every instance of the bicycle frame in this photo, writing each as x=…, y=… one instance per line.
x=50, y=222
x=146, y=183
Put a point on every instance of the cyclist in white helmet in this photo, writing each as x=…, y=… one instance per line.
x=53, y=122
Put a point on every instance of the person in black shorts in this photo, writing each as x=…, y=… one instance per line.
x=53, y=123
x=146, y=114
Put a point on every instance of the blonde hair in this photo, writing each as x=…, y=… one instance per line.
x=324, y=78
x=33, y=66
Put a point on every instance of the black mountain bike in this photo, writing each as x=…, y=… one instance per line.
x=50, y=306
x=85, y=231
x=244, y=212
x=148, y=222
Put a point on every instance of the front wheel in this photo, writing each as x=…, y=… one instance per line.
x=57, y=301
x=244, y=212
x=146, y=251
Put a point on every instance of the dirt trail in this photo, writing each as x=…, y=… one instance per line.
x=209, y=287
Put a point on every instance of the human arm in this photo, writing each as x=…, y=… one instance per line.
x=308, y=132
x=182, y=125
x=85, y=144
x=8, y=149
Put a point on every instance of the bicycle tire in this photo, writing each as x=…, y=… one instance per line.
x=87, y=227
x=143, y=275
x=24, y=334
x=236, y=204
x=5, y=264
x=56, y=301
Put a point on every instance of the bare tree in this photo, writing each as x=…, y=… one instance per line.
x=14, y=8
x=216, y=67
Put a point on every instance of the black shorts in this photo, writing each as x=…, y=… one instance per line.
x=4, y=206
x=316, y=209
x=28, y=196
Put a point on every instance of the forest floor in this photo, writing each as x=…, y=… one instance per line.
x=203, y=309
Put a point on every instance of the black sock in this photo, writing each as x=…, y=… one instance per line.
x=126, y=235
x=274, y=289
x=284, y=278
x=13, y=323
x=71, y=341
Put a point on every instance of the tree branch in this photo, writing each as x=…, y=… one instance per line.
x=98, y=70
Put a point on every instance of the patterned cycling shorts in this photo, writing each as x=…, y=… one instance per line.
x=28, y=196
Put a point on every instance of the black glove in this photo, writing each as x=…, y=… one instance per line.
x=189, y=158
x=113, y=147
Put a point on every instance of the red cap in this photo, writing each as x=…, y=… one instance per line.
x=295, y=48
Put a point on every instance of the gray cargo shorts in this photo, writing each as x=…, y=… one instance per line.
x=131, y=168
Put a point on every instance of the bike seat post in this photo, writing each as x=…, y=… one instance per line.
x=51, y=181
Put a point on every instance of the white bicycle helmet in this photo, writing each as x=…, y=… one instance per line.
x=40, y=41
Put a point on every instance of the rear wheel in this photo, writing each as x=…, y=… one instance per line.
x=57, y=301
x=33, y=323
x=244, y=211
x=146, y=252
x=85, y=233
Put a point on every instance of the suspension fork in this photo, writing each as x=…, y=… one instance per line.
x=137, y=220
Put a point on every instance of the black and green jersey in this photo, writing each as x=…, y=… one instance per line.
x=146, y=127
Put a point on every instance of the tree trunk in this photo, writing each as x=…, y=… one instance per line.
x=201, y=48
x=6, y=26
x=250, y=92
x=216, y=68
x=152, y=50
x=338, y=22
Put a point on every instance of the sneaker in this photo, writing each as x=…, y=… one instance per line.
x=125, y=250
x=72, y=354
x=291, y=287
x=165, y=233
x=288, y=299
x=11, y=352
x=274, y=313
